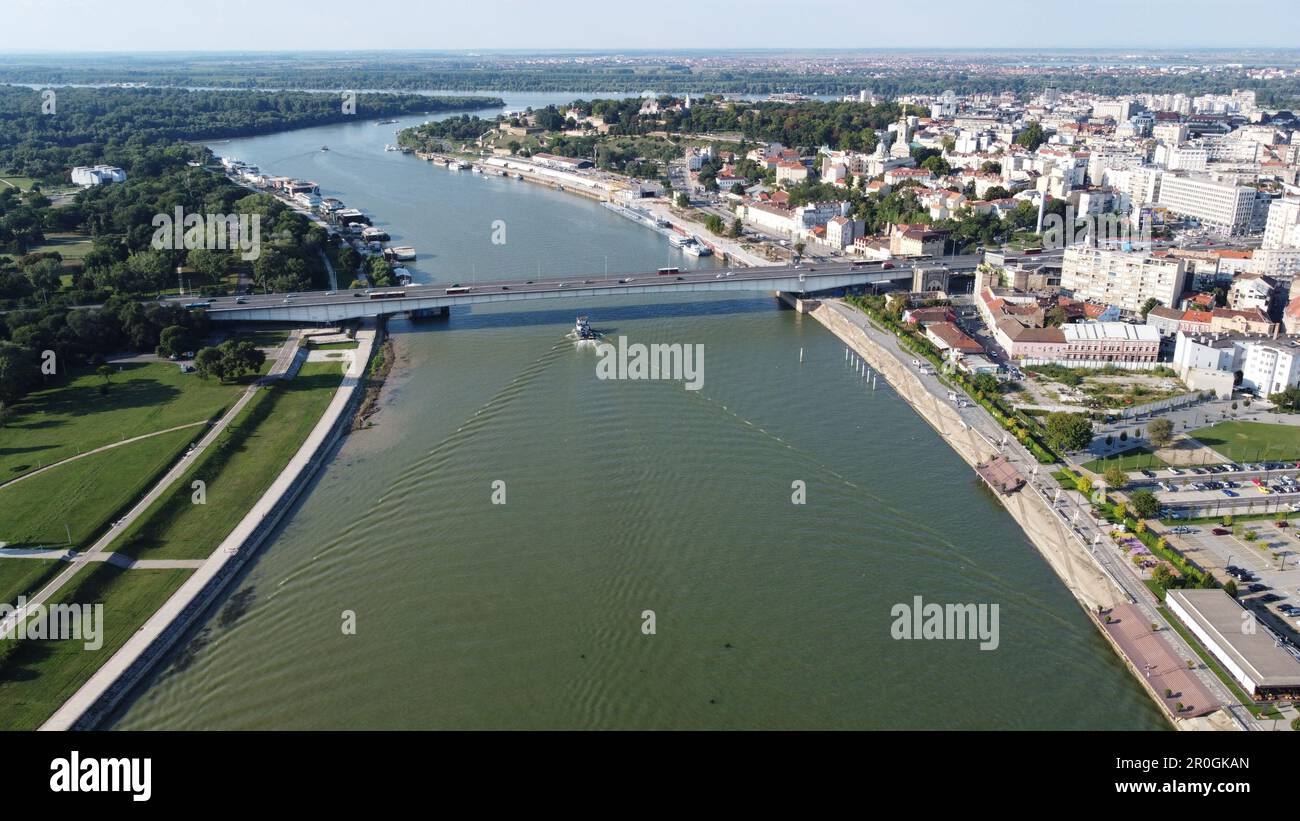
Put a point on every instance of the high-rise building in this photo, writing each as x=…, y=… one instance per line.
x=1124, y=279
x=1221, y=206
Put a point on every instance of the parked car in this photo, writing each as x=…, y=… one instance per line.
x=1220, y=531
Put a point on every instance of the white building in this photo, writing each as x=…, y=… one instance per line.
x=1269, y=367
x=1252, y=292
x=1283, y=227
x=840, y=232
x=1263, y=668
x=1124, y=279
x=97, y=174
x=1221, y=206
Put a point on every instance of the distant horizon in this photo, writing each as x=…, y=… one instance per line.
x=327, y=26
x=650, y=51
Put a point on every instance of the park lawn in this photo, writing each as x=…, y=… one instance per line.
x=88, y=494
x=37, y=677
x=336, y=346
x=1251, y=441
x=22, y=577
x=236, y=470
x=264, y=337
x=1131, y=459
x=55, y=423
x=71, y=246
x=21, y=183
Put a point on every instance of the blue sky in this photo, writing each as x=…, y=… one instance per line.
x=270, y=25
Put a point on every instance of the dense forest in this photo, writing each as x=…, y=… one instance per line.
x=91, y=125
x=808, y=124
x=122, y=270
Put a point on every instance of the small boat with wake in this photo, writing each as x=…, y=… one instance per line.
x=582, y=329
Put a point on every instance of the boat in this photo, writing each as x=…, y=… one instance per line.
x=693, y=249
x=518, y=176
x=385, y=122
x=403, y=252
x=390, y=147
x=582, y=329
x=324, y=148
x=678, y=241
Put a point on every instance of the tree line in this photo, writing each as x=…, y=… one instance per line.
x=90, y=125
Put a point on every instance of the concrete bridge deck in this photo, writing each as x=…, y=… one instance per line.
x=332, y=307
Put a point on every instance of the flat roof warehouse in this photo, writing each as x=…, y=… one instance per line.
x=1249, y=653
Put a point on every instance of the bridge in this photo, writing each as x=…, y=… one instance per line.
x=333, y=307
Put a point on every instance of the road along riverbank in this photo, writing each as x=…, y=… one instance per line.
x=97, y=698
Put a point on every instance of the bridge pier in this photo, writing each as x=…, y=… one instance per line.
x=799, y=302
x=431, y=313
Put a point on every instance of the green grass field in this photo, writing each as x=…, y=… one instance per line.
x=21, y=183
x=22, y=577
x=86, y=495
x=1131, y=459
x=53, y=424
x=71, y=246
x=36, y=677
x=236, y=470
x=1251, y=441
x=336, y=346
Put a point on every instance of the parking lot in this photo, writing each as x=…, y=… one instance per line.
x=1216, y=490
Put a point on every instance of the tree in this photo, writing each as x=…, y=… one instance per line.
x=176, y=340
x=1068, y=431
x=210, y=362
x=1288, y=399
x=737, y=228
x=1230, y=588
x=1162, y=576
x=106, y=372
x=985, y=383
x=1160, y=432
x=1116, y=477
x=683, y=201
x=6, y=413
x=1144, y=503
x=1031, y=137
x=240, y=357
x=1148, y=305
x=714, y=223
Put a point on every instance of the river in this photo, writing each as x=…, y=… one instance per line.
x=621, y=497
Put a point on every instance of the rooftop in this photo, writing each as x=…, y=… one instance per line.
x=1222, y=618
